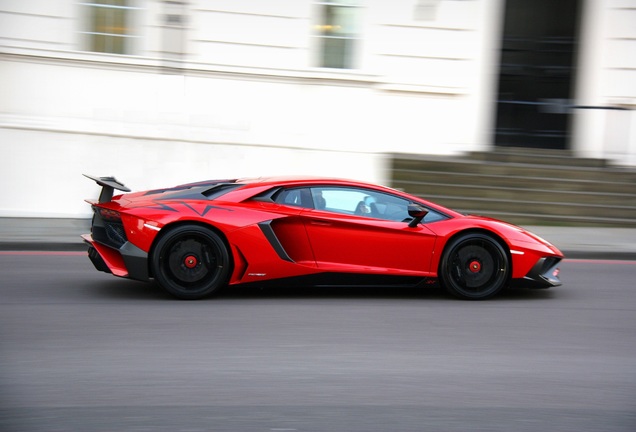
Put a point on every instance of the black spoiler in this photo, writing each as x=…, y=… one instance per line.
x=108, y=184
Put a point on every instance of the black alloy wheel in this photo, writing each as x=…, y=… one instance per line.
x=191, y=262
x=474, y=267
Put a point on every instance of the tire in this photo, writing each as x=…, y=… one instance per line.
x=191, y=262
x=474, y=267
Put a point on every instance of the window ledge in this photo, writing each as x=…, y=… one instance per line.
x=415, y=88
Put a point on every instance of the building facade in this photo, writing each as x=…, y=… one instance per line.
x=160, y=92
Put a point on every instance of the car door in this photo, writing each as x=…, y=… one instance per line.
x=286, y=233
x=354, y=229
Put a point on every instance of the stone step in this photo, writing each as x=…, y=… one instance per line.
x=536, y=156
x=513, y=193
x=514, y=181
x=513, y=186
x=517, y=170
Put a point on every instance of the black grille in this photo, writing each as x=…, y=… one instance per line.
x=549, y=264
x=110, y=234
x=115, y=233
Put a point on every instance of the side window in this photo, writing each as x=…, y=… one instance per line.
x=433, y=216
x=360, y=202
x=294, y=197
x=337, y=199
x=351, y=201
x=366, y=203
x=387, y=207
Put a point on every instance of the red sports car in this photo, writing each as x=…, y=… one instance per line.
x=197, y=238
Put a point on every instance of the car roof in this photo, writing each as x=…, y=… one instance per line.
x=291, y=181
x=304, y=180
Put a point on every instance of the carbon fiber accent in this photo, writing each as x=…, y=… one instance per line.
x=110, y=234
x=97, y=260
x=544, y=274
x=270, y=235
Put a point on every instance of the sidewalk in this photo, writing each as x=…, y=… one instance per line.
x=592, y=242
x=64, y=234
x=43, y=234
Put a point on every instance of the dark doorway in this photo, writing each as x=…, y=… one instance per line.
x=536, y=73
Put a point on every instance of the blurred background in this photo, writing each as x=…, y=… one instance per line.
x=522, y=110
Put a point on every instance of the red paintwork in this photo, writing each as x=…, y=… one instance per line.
x=111, y=257
x=316, y=241
x=343, y=242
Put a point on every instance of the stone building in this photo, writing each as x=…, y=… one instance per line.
x=159, y=92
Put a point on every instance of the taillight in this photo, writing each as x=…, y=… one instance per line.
x=108, y=228
x=109, y=215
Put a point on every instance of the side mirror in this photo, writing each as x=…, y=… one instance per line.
x=417, y=212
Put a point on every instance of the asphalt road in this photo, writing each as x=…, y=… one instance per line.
x=84, y=351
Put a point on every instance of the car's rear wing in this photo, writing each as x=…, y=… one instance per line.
x=108, y=184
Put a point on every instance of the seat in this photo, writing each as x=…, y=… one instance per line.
x=319, y=202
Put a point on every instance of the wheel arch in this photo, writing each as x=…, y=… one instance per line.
x=166, y=229
x=483, y=231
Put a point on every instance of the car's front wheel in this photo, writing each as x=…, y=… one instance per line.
x=474, y=266
x=191, y=262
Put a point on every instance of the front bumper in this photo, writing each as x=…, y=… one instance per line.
x=544, y=274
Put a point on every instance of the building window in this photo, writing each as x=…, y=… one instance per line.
x=108, y=28
x=337, y=32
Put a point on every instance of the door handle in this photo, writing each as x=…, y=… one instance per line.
x=320, y=223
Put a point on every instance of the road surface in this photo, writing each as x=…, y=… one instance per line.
x=85, y=351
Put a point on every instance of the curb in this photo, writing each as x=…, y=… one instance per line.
x=605, y=256
x=41, y=247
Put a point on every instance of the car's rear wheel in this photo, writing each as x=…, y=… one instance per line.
x=474, y=266
x=191, y=262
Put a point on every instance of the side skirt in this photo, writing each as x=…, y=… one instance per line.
x=328, y=280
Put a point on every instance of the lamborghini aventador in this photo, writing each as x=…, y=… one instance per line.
x=196, y=239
